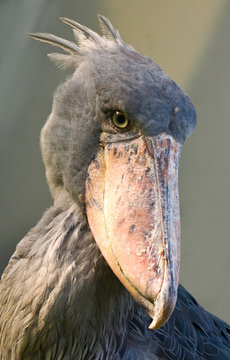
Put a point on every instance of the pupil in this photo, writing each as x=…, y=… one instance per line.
x=120, y=119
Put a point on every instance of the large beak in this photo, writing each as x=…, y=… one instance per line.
x=133, y=212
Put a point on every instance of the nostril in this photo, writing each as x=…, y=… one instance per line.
x=172, y=124
x=177, y=128
x=175, y=110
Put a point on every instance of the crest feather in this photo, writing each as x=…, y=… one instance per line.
x=86, y=39
x=107, y=29
x=68, y=46
x=63, y=61
x=88, y=33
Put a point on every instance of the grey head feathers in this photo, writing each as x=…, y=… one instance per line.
x=86, y=40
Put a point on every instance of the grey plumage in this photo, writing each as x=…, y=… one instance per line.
x=59, y=298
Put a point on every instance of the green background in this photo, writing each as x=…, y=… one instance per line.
x=190, y=41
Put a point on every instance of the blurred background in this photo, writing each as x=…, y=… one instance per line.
x=190, y=41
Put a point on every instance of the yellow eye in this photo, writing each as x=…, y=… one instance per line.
x=120, y=120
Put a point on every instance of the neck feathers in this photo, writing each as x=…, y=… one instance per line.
x=59, y=286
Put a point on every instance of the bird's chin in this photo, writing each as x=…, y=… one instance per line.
x=133, y=212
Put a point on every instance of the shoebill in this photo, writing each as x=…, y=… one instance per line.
x=97, y=277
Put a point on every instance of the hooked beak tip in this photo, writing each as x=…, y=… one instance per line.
x=163, y=307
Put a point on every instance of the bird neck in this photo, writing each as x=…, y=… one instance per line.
x=83, y=302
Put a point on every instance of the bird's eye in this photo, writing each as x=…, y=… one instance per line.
x=120, y=120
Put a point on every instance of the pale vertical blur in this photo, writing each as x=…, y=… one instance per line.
x=190, y=41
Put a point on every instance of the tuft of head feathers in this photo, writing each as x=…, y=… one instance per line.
x=86, y=40
x=109, y=74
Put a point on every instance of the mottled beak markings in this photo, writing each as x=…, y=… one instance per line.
x=133, y=211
